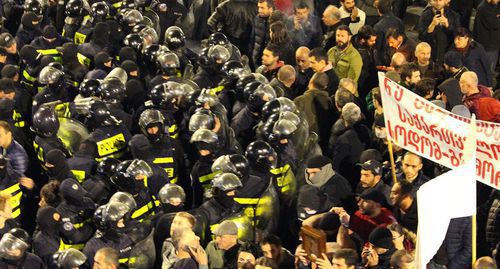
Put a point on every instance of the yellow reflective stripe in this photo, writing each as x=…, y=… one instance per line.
x=247, y=201
x=79, y=174
x=83, y=59
x=163, y=160
x=80, y=224
x=63, y=110
x=172, y=131
x=48, y=52
x=16, y=194
x=208, y=177
x=20, y=124
x=123, y=261
x=117, y=4
x=27, y=76
x=16, y=116
x=79, y=38
x=280, y=170
x=108, y=145
x=216, y=90
x=174, y=180
x=64, y=246
x=143, y=210
x=39, y=151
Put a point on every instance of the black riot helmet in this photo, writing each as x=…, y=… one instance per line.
x=132, y=17
x=152, y=52
x=134, y=40
x=162, y=95
x=90, y=87
x=169, y=63
x=112, y=90
x=152, y=118
x=277, y=105
x=34, y=6
x=235, y=163
x=201, y=119
x=128, y=175
x=101, y=115
x=205, y=139
x=203, y=59
x=149, y=35
x=76, y=8
x=219, y=38
x=107, y=167
x=14, y=244
x=282, y=129
x=174, y=38
x=232, y=70
x=226, y=182
x=50, y=75
x=69, y=258
x=45, y=122
x=261, y=154
x=111, y=213
x=99, y=11
x=207, y=97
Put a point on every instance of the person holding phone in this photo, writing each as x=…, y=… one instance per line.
x=189, y=251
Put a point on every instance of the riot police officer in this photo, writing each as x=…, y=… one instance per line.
x=82, y=164
x=75, y=11
x=110, y=135
x=99, y=185
x=169, y=67
x=112, y=91
x=76, y=211
x=136, y=177
x=159, y=148
x=69, y=259
x=97, y=43
x=45, y=126
x=30, y=63
x=46, y=240
x=55, y=90
x=175, y=40
x=110, y=220
x=99, y=11
x=211, y=60
x=13, y=251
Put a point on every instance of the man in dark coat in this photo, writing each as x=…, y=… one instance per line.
x=260, y=31
x=487, y=29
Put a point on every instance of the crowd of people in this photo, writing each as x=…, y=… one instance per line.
x=216, y=134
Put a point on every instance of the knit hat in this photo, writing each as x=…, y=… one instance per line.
x=453, y=59
x=381, y=237
x=129, y=66
x=318, y=161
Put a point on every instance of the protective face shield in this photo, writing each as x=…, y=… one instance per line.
x=278, y=105
x=113, y=212
x=218, y=55
x=221, y=40
x=33, y=6
x=174, y=38
x=265, y=92
x=169, y=63
x=235, y=163
x=282, y=131
x=50, y=76
x=132, y=17
x=100, y=114
x=233, y=70
x=45, y=122
x=14, y=244
x=207, y=97
x=149, y=35
x=69, y=258
x=205, y=139
x=124, y=198
x=152, y=118
x=118, y=73
x=152, y=52
x=128, y=173
x=107, y=167
x=226, y=182
x=172, y=194
x=201, y=119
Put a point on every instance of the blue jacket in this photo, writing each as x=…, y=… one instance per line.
x=18, y=157
x=459, y=243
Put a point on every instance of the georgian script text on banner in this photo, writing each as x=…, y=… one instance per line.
x=434, y=133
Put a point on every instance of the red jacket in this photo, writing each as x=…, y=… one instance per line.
x=363, y=225
x=483, y=105
x=285, y=6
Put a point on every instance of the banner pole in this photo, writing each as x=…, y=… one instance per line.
x=474, y=240
x=391, y=157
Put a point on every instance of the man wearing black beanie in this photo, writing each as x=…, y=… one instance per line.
x=380, y=249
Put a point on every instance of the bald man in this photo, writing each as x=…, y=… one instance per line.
x=304, y=71
x=428, y=68
x=332, y=20
x=284, y=82
x=478, y=98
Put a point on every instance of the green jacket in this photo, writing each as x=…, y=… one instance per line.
x=347, y=63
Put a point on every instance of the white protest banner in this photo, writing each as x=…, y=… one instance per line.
x=434, y=133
